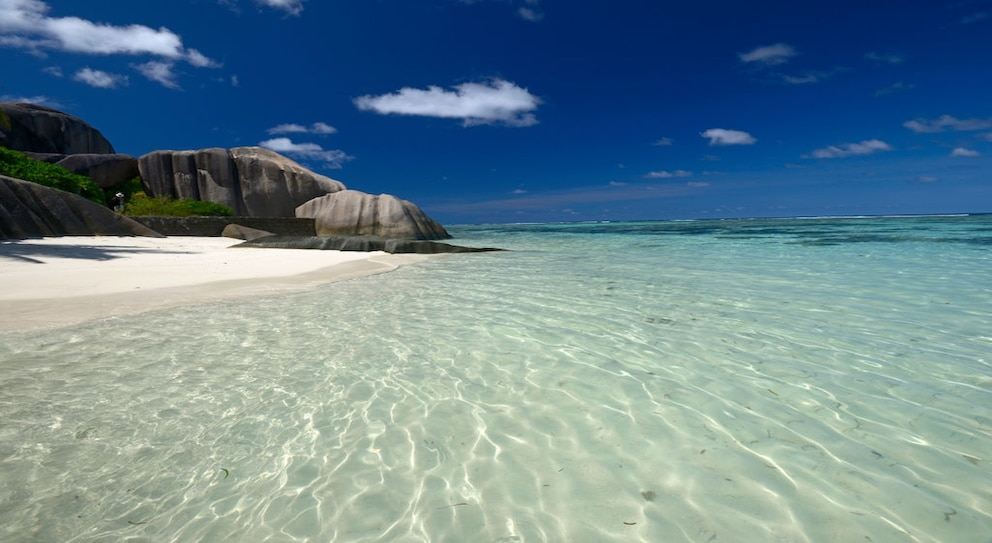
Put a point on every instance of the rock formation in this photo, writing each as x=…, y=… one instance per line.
x=354, y=213
x=105, y=170
x=45, y=130
x=252, y=181
x=32, y=210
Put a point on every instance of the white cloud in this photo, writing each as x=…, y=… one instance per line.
x=496, y=102
x=293, y=128
x=100, y=79
x=54, y=71
x=292, y=7
x=667, y=174
x=664, y=142
x=27, y=25
x=962, y=152
x=945, y=123
x=926, y=179
x=200, y=60
x=778, y=53
x=722, y=136
x=322, y=128
x=160, y=72
x=698, y=184
x=866, y=147
x=307, y=151
x=37, y=99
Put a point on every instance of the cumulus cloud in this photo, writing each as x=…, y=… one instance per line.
x=962, y=152
x=27, y=24
x=99, y=78
x=331, y=158
x=293, y=128
x=159, y=72
x=667, y=174
x=495, y=102
x=722, y=136
x=292, y=7
x=778, y=53
x=945, y=123
x=843, y=150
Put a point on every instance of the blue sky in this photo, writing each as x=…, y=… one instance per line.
x=544, y=110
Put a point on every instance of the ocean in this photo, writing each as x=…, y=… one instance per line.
x=765, y=380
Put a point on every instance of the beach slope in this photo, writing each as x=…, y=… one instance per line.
x=60, y=281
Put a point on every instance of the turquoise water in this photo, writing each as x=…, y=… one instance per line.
x=761, y=380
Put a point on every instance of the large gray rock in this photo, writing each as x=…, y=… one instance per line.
x=252, y=181
x=105, y=170
x=44, y=130
x=30, y=210
x=355, y=213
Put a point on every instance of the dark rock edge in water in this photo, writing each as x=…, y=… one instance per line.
x=361, y=243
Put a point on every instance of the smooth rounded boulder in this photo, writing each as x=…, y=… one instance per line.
x=355, y=213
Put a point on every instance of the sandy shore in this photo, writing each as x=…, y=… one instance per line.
x=53, y=282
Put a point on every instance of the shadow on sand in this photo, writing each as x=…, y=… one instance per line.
x=29, y=252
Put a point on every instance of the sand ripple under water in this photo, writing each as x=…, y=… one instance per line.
x=587, y=386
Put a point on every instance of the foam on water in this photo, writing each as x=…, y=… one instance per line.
x=776, y=380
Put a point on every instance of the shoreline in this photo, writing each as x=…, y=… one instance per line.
x=63, y=281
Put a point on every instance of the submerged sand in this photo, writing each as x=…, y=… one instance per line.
x=59, y=281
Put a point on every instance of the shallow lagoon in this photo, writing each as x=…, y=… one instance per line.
x=760, y=380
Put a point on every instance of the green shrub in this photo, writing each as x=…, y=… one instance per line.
x=20, y=166
x=164, y=206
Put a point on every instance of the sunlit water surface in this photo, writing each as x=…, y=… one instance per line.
x=763, y=380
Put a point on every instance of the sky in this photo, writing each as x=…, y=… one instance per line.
x=505, y=111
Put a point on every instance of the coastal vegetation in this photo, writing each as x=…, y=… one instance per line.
x=140, y=204
x=20, y=166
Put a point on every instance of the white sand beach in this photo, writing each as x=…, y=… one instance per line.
x=59, y=281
